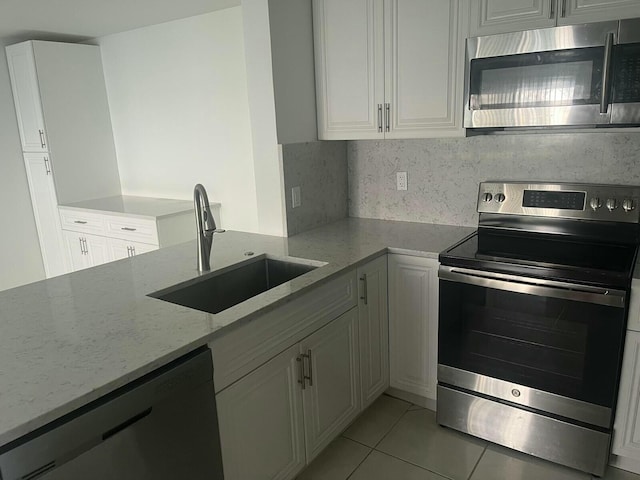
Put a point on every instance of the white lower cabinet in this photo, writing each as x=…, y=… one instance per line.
x=85, y=250
x=119, y=249
x=45, y=211
x=626, y=429
x=413, y=324
x=261, y=422
x=279, y=417
x=373, y=325
x=332, y=394
x=626, y=438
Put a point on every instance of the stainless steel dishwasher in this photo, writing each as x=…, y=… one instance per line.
x=162, y=426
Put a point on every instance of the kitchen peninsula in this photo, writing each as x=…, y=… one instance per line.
x=72, y=339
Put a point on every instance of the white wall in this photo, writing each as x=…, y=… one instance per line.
x=178, y=98
x=20, y=258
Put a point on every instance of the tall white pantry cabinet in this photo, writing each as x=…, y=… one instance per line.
x=65, y=130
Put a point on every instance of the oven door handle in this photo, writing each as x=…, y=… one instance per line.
x=534, y=286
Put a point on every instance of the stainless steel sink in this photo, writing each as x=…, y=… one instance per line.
x=219, y=291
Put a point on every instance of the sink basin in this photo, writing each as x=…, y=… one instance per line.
x=223, y=290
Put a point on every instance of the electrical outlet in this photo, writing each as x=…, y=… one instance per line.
x=296, y=197
x=401, y=180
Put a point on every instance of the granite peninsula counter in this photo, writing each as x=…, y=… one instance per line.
x=69, y=340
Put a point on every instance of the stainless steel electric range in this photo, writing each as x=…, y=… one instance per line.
x=532, y=319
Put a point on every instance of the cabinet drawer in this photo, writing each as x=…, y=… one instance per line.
x=134, y=229
x=246, y=348
x=84, y=222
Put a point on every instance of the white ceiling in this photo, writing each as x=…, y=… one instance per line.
x=60, y=19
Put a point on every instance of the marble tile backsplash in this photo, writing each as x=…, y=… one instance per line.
x=443, y=174
x=320, y=170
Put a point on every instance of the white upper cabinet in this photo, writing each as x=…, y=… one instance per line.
x=424, y=67
x=349, y=54
x=500, y=16
x=586, y=11
x=26, y=96
x=389, y=68
x=61, y=108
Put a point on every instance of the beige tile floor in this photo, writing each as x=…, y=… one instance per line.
x=394, y=440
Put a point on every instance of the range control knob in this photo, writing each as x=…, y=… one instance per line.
x=499, y=197
x=487, y=197
x=612, y=204
x=595, y=203
x=628, y=205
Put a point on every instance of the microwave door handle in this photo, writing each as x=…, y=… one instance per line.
x=606, y=74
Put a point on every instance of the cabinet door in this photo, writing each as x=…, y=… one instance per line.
x=331, y=397
x=499, y=16
x=373, y=326
x=45, y=210
x=413, y=324
x=26, y=97
x=626, y=437
x=119, y=249
x=76, y=250
x=424, y=57
x=585, y=11
x=349, y=56
x=261, y=424
x=98, y=250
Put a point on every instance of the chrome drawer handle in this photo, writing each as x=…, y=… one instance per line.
x=81, y=222
x=128, y=229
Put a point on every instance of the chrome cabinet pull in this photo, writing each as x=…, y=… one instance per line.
x=133, y=250
x=46, y=166
x=81, y=222
x=86, y=247
x=81, y=247
x=365, y=288
x=42, y=144
x=564, y=9
x=380, y=118
x=310, y=377
x=128, y=229
x=552, y=9
x=387, y=108
x=606, y=67
x=301, y=375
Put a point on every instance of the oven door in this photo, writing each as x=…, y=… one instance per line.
x=546, y=345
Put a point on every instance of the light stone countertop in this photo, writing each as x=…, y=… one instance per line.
x=69, y=340
x=133, y=206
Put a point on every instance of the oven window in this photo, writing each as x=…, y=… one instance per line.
x=543, y=79
x=560, y=346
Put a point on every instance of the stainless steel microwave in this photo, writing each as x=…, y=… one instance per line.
x=574, y=76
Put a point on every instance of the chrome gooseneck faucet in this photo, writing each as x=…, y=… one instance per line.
x=206, y=226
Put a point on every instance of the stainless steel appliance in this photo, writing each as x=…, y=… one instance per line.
x=532, y=319
x=163, y=426
x=573, y=76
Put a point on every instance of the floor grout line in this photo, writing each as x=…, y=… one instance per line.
x=473, y=470
x=392, y=426
x=360, y=464
x=414, y=464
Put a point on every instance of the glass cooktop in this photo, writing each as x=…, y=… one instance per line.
x=545, y=256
